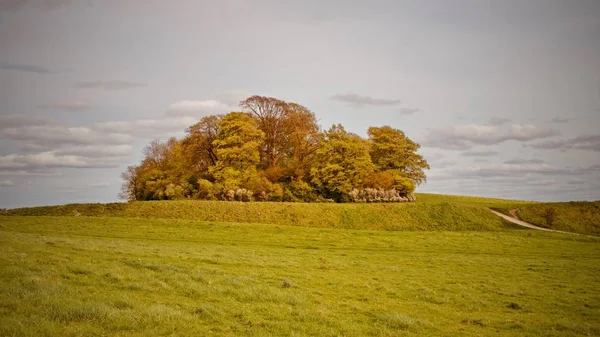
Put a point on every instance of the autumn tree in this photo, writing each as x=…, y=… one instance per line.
x=271, y=114
x=341, y=164
x=130, y=189
x=163, y=173
x=237, y=149
x=275, y=150
x=391, y=151
x=304, y=138
x=198, y=144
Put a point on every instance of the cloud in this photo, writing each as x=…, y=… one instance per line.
x=461, y=137
x=358, y=100
x=199, y=108
x=47, y=160
x=442, y=164
x=496, y=121
x=66, y=106
x=95, y=151
x=515, y=170
x=524, y=161
x=232, y=97
x=529, y=132
x=26, y=68
x=30, y=173
x=109, y=85
x=98, y=185
x=480, y=153
x=561, y=120
x=152, y=128
x=11, y=5
x=577, y=182
x=543, y=182
x=6, y=183
x=409, y=111
x=585, y=142
x=464, y=137
x=16, y=121
x=35, y=148
x=54, y=136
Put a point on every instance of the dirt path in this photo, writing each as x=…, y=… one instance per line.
x=528, y=225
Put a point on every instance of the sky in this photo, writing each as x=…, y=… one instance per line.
x=503, y=96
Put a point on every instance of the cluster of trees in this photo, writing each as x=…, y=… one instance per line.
x=274, y=151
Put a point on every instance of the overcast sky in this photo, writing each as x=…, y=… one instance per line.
x=503, y=96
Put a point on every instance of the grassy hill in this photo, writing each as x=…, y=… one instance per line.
x=430, y=212
x=94, y=276
x=577, y=217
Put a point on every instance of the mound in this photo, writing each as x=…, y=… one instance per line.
x=392, y=216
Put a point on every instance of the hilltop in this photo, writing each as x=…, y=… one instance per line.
x=429, y=212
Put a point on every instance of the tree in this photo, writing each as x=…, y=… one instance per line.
x=237, y=148
x=275, y=150
x=130, y=189
x=305, y=136
x=342, y=162
x=392, y=151
x=549, y=214
x=198, y=144
x=270, y=113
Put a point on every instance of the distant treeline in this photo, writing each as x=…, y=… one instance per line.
x=274, y=151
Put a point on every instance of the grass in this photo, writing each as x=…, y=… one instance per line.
x=110, y=276
x=430, y=212
x=500, y=204
x=577, y=217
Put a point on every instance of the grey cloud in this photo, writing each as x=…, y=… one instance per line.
x=543, y=182
x=524, y=161
x=199, y=108
x=232, y=97
x=480, y=153
x=577, y=182
x=35, y=148
x=47, y=160
x=585, y=142
x=529, y=132
x=27, y=68
x=109, y=85
x=54, y=136
x=498, y=121
x=513, y=170
x=16, y=121
x=67, y=106
x=98, y=185
x=94, y=151
x=148, y=127
x=11, y=5
x=443, y=164
x=6, y=183
x=359, y=100
x=561, y=120
x=464, y=137
x=30, y=173
x=409, y=111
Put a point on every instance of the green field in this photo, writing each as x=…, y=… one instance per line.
x=577, y=217
x=109, y=276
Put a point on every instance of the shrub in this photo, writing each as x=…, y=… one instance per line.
x=302, y=191
x=549, y=214
x=205, y=189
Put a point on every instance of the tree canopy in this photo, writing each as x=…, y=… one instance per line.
x=274, y=150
